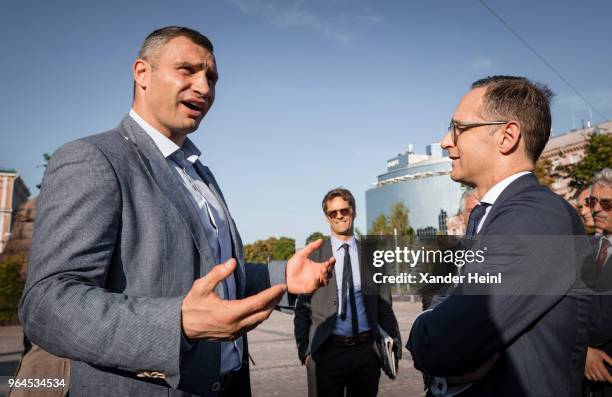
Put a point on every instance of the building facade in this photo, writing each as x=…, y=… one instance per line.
x=422, y=183
x=13, y=192
x=569, y=148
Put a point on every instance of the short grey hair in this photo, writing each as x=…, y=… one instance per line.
x=470, y=191
x=603, y=178
x=159, y=37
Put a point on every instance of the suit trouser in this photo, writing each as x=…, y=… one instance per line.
x=597, y=389
x=337, y=367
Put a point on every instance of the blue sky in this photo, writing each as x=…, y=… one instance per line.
x=312, y=94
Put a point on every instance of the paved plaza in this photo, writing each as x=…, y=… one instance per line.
x=278, y=371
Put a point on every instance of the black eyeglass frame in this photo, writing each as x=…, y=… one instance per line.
x=457, y=129
x=346, y=211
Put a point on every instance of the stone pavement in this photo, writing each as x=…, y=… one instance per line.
x=278, y=371
x=11, y=346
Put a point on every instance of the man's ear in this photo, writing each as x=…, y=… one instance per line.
x=142, y=73
x=511, y=137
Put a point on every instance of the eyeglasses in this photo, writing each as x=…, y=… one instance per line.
x=606, y=204
x=456, y=128
x=343, y=211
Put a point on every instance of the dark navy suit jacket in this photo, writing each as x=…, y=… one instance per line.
x=539, y=330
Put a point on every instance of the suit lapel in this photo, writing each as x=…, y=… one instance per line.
x=510, y=191
x=328, y=292
x=160, y=172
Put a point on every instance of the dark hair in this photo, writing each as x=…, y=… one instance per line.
x=159, y=37
x=345, y=194
x=518, y=98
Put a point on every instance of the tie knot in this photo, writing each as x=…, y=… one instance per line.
x=345, y=247
x=605, y=243
x=482, y=206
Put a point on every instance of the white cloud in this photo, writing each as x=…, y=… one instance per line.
x=295, y=14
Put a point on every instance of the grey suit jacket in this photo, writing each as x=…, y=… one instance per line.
x=315, y=314
x=117, y=245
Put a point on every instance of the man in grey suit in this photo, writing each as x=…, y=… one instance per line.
x=137, y=271
x=336, y=327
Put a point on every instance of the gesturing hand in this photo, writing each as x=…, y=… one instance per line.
x=206, y=316
x=595, y=369
x=304, y=276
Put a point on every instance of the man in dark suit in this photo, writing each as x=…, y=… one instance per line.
x=599, y=353
x=137, y=271
x=525, y=336
x=336, y=327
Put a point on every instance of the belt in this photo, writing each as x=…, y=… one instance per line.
x=352, y=340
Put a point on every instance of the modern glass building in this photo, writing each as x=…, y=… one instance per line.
x=422, y=182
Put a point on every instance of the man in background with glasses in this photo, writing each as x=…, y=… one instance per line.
x=598, y=369
x=585, y=211
x=530, y=340
x=336, y=327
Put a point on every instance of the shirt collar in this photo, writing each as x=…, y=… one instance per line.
x=337, y=243
x=165, y=144
x=500, y=186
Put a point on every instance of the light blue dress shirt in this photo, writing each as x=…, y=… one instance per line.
x=345, y=327
x=213, y=218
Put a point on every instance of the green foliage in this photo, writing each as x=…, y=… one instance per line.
x=46, y=158
x=598, y=156
x=380, y=226
x=283, y=248
x=386, y=225
x=315, y=236
x=543, y=170
x=11, y=287
x=261, y=251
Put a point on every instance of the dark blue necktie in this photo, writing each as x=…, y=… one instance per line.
x=475, y=217
x=348, y=291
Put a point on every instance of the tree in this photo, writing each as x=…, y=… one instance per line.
x=283, y=248
x=380, y=226
x=385, y=225
x=598, y=156
x=399, y=220
x=315, y=236
x=543, y=170
x=46, y=157
x=261, y=251
x=11, y=288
